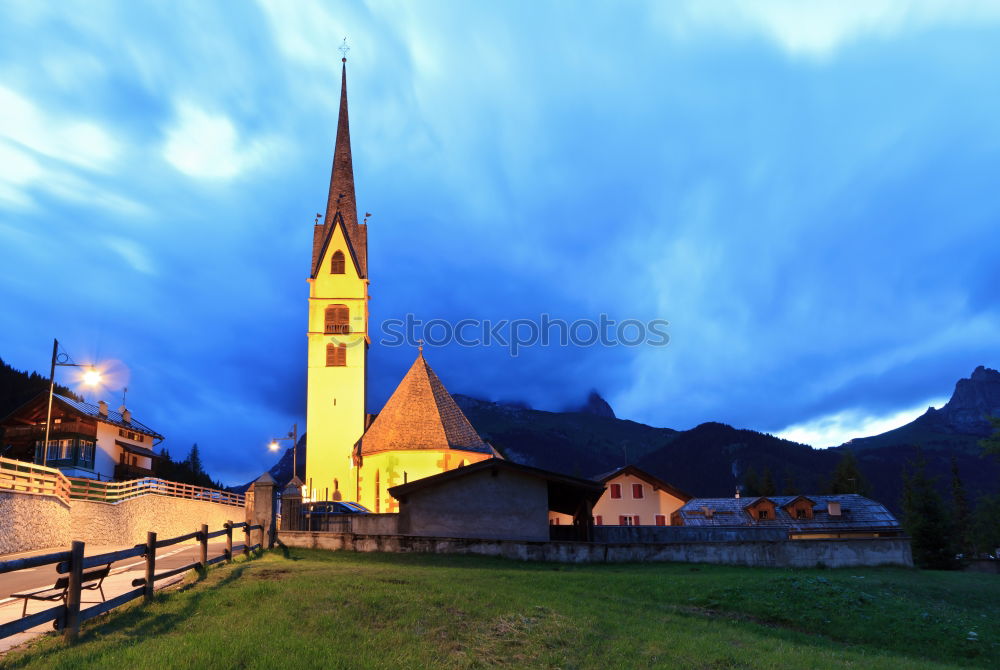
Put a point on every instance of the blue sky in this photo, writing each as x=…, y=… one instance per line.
x=805, y=191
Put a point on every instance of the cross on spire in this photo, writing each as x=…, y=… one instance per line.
x=343, y=49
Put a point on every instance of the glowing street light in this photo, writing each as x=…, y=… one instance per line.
x=91, y=377
x=293, y=435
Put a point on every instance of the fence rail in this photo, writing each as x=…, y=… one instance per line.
x=93, y=490
x=24, y=477
x=68, y=616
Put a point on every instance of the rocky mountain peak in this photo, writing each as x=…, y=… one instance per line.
x=974, y=399
x=597, y=406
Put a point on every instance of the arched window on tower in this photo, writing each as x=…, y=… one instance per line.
x=337, y=263
x=337, y=320
x=336, y=355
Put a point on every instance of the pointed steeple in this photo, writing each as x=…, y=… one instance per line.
x=341, y=201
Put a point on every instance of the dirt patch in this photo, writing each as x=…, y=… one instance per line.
x=271, y=574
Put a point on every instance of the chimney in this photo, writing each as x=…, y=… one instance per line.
x=126, y=415
x=102, y=408
x=737, y=492
x=833, y=508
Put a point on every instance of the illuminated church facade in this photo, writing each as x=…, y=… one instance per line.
x=421, y=431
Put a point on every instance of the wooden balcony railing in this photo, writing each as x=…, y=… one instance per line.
x=58, y=430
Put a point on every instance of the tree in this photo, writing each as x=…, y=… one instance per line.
x=767, y=486
x=959, y=511
x=193, y=461
x=751, y=483
x=985, y=526
x=926, y=520
x=847, y=477
x=788, y=486
x=991, y=445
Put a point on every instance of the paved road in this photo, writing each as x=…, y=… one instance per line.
x=167, y=558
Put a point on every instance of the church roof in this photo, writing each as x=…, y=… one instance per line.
x=341, y=202
x=421, y=414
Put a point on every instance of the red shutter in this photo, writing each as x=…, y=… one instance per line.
x=622, y=521
x=635, y=519
x=598, y=521
x=661, y=520
x=637, y=491
x=616, y=490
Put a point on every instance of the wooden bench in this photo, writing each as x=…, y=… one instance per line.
x=92, y=580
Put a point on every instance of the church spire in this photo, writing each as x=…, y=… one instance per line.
x=341, y=199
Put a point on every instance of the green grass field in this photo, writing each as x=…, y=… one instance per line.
x=312, y=609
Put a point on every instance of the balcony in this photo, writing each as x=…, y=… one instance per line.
x=125, y=472
x=337, y=329
x=61, y=430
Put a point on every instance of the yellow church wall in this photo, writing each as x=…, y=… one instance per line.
x=646, y=508
x=386, y=469
x=335, y=406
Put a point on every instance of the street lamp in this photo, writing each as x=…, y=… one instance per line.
x=293, y=435
x=91, y=377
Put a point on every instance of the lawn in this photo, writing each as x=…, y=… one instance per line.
x=314, y=609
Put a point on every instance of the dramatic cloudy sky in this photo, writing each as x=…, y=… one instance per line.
x=807, y=192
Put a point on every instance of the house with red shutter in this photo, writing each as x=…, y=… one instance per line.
x=632, y=497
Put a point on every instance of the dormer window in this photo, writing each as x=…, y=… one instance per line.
x=762, y=514
x=336, y=355
x=337, y=320
x=337, y=263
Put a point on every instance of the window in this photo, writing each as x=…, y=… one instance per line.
x=800, y=513
x=628, y=520
x=637, y=491
x=554, y=521
x=337, y=320
x=337, y=263
x=336, y=356
x=598, y=520
x=762, y=514
x=661, y=520
x=616, y=491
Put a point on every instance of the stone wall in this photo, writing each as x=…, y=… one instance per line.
x=29, y=521
x=127, y=522
x=833, y=553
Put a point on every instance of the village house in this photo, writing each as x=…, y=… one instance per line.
x=632, y=497
x=85, y=440
x=803, y=517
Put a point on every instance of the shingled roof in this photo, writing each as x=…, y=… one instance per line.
x=857, y=513
x=421, y=414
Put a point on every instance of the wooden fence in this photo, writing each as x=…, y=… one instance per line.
x=24, y=477
x=68, y=616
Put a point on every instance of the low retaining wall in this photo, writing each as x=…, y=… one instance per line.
x=29, y=521
x=833, y=553
x=663, y=534
x=128, y=521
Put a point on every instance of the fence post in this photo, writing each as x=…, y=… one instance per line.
x=203, y=538
x=246, y=540
x=147, y=593
x=71, y=622
x=229, y=541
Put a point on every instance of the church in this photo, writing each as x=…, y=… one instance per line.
x=421, y=431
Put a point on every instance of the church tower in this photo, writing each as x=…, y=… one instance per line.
x=338, y=329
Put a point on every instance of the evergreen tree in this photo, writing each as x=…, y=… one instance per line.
x=926, y=520
x=991, y=445
x=767, y=486
x=751, y=483
x=193, y=461
x=788, y=486
x=847, y=477
x=985, y=526
x=959, y=510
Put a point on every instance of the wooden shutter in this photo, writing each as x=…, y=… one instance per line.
x=661, y=520
x=598, y=521
x=616, y=491
x=622, y=520
x=637, y=491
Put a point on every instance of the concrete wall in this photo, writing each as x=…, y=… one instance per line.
x=787, y=553
x=661, y=534
x=29, y=521
x=127, y=522
x=489, y=504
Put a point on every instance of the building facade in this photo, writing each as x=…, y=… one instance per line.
x=85, y=440
x=632, y=497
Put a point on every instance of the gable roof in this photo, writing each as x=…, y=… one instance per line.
x=421, y=414
x=857, y=513
x=565, y=492
x=87, y=409
x=341, y=200
x=655, y=482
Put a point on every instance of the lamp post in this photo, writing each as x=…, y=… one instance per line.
x=293, y=435
x=91, y=378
